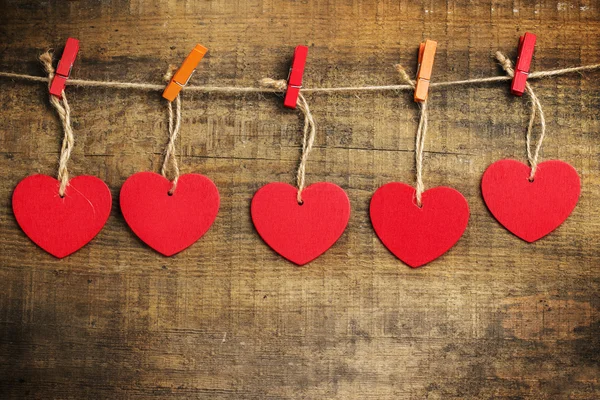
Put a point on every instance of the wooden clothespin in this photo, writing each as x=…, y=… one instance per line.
x=184, y=73
x=294, y=83
x=63, y=71
x=426, y=56
x=524, y=57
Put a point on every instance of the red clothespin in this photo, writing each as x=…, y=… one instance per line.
x=63, y=71
x=426, y=56
x=526, y=47
x=184, y=73
x=294, y=83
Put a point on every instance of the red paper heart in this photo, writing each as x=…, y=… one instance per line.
x=169, y=223
x=61, y=225
x=530, y=210
x=418, y=235
x=300, y=233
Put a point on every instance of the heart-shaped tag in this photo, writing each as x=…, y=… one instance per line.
x=418, y=235
x=169, y=223
x=300, y=232
x=61, y=225
x=530, y=209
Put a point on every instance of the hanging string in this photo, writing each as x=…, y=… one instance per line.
x=309, y=132
x=64, y=114
x=174, y=125
x=420, y=137
x=536, y=108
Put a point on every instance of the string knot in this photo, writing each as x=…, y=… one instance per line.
x=279, y=84
x=46, y=60
x=170, y=72
x=404, y=75
x=505, y=63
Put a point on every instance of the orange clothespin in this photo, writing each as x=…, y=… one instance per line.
x=63, y=71
x=426, y=56
x=184, y=73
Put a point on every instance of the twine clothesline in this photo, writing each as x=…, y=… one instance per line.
x=242, y=89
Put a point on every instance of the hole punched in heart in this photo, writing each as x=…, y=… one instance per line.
x=416, y=203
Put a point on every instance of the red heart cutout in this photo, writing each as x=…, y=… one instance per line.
x=169, y=223
x=303, y=232
x=530, y=210
x=418, y=235
x=61, y=225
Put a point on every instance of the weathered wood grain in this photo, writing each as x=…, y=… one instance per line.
x=228, y=318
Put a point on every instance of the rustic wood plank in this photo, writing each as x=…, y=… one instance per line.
x=228, y=318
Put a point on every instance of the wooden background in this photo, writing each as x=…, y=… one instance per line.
x=228, y=318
